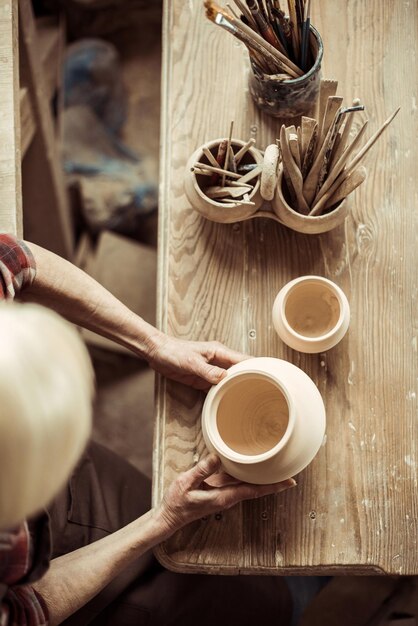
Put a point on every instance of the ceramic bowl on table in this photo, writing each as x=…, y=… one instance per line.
x=311, y=314
x=265, y=420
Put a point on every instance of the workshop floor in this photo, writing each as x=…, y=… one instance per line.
x=125, y=386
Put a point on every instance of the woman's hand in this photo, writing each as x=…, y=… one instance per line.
x=203, y=490
x=199, y=364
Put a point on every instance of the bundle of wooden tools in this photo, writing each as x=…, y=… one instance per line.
x=277, y=45
x=231, y=180
x=319, y=169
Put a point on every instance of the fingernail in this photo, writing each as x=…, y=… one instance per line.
x=291, y=482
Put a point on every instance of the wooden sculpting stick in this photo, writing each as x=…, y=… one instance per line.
x=208, y=154
x=347, y=186
x=309, y=137
x=349, y=118
x=228, y=145
x=293, y=173
x=311, y=182
x=306, y=129
x=216, y=170
x=293, y=142
x=333, y=105
x=331, y=138
x=327, y=89
x=351, y=166
x=341, y=163
x=243, y=150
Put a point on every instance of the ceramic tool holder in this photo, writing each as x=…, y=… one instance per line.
x=278, y=210
x=195, y=185
x=289, y=98
x=308, y=224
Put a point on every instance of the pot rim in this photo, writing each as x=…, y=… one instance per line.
x=336, y=290
x=220, y=446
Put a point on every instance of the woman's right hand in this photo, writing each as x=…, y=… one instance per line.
x=203, y=490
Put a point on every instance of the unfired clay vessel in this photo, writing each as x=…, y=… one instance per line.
x=308, y=224
x=265, y=420
x=311, y=314
x=194, y=185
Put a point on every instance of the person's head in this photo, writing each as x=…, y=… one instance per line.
x=46, y=388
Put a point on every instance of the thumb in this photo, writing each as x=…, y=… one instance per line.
x=212, y=373
x=202, y=470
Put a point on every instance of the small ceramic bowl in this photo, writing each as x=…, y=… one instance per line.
x=311, y=314
x=195, y=184
x=308, y=224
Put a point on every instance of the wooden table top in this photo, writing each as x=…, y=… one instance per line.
x=355, y=507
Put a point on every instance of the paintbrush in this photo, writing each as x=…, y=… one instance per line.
x=277, y=60
x=294, y=28
x=246, y=13
x=306, y=30
x=263, y=26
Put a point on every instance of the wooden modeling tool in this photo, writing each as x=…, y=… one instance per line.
x=347, y=186
x=327, y=89
x=228, y=146
x=218, y=170
x=320, y=204
x=292, y=173
x=309, y=131
x=243, y=150
x=333, y=105
x=345, y=135
x=341, y=163
x=293, y=142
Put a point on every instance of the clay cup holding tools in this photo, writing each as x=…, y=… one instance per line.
x=231, y=210
x=289, y=98
x=308, y=224
x=311, y=314
x=265, y=420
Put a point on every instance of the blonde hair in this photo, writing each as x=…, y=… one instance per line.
x=46, y=388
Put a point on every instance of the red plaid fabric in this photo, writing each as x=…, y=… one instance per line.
x=20, y=604
x=17, y=266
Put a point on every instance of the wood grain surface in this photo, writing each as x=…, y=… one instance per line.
x=10, y=156
x=355, y=507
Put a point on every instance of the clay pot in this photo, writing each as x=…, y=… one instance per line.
x=195, y=184
x=265, y=420
x=311, y=314
x=308, y=224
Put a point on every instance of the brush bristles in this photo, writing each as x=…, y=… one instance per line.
x=213, y=9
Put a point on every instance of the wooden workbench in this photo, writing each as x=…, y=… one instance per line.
x=355, y=507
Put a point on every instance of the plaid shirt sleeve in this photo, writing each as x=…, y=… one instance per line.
x=20, y=604
x=17, y=268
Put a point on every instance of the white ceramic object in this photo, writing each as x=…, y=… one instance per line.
x=311, y=314
x=194, y=186
x=265, y=420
